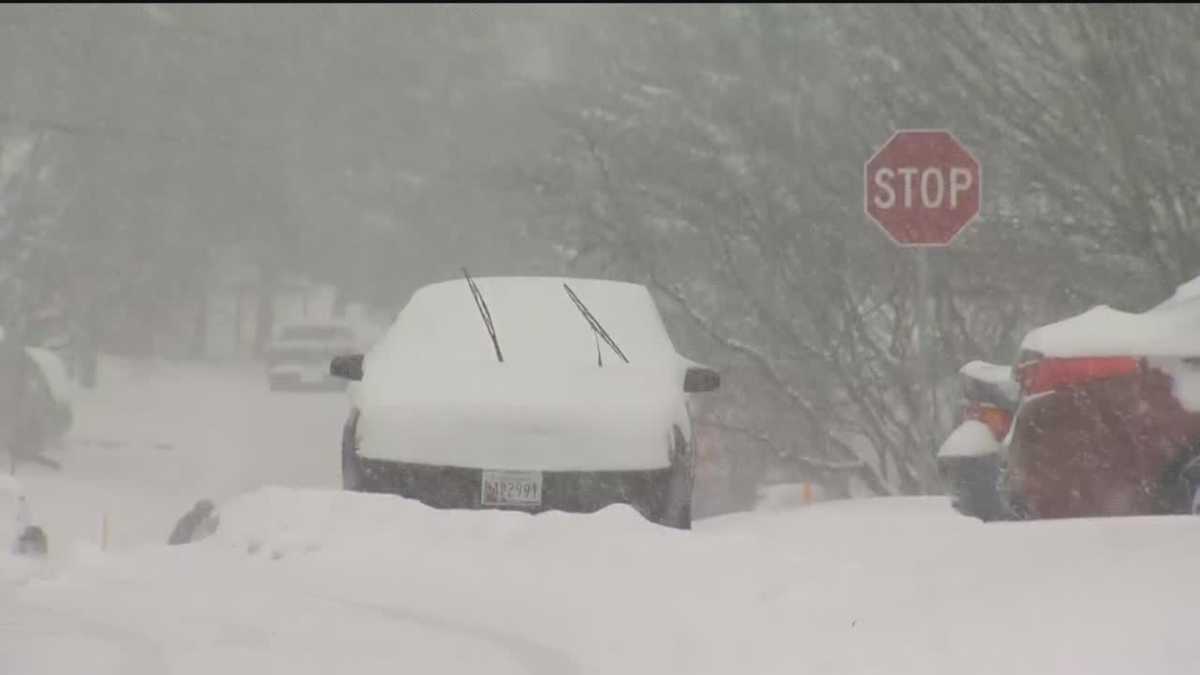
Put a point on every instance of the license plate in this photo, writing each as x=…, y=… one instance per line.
x=511, y=488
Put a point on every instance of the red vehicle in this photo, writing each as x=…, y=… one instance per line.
x=1106, y=421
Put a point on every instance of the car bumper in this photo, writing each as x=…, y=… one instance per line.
x=572, y=491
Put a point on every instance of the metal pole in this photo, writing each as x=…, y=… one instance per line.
x=925, y=346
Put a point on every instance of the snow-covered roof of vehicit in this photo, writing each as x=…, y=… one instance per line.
x=1171, y=328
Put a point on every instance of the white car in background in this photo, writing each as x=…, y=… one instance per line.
x=298, y=358
x=527, y=394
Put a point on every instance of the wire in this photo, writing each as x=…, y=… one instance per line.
x=595, y=324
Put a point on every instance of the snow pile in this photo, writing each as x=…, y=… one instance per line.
x=311, y=581
x=972, y=438
x=276, y=522
x=1169, y=329
x=993, y=375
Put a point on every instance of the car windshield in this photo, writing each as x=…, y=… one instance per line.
x=536, y=323
x=601, y=338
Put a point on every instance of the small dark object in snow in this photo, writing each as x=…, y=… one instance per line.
x=32, y=542
x=46, y=462
x=196, y=524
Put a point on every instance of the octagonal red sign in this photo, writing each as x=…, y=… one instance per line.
x=923, y=187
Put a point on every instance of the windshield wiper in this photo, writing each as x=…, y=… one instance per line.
x=485, y=313
x=595, y=324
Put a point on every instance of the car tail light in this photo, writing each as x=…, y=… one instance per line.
x=996, y=419
x=1049, y=374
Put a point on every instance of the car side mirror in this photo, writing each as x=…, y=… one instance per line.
x=347, y=367
x=699, y=379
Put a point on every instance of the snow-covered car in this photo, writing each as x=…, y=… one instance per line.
x=970, y=459
x=524, y=393
x=1108, y=416
x=298, y=358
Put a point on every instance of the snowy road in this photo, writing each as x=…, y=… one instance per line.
x=305, y=579
x=156, y=437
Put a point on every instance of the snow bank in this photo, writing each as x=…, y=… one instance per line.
x=972, y=438
x=277, y=522
x=313, y=581
x=1169, y=329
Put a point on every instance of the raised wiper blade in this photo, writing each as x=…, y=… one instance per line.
x=595, y=323
x=485, y=313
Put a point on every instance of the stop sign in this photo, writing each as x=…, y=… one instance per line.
x=923, y=187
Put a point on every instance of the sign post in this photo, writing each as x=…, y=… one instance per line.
x=923, y=187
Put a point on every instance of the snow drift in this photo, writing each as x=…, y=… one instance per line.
x=312, y=581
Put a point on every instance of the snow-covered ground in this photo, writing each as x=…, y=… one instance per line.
x=157, y=436
x=311, y=580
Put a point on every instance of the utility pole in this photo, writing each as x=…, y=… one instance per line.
x=926, y=343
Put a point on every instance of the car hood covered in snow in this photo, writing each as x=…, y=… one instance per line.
x=433, y=391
